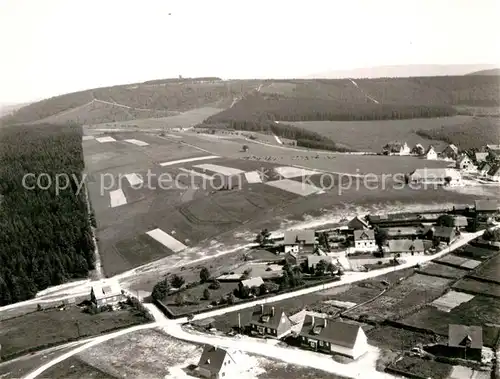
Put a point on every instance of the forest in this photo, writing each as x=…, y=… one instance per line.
x=46, y=237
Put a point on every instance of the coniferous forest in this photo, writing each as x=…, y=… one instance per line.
x=45, y=238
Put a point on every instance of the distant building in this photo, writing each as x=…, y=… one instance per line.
x=267, y=321
x=396, y=148
x=301, y=241
x=494, y=173
x=357, y=223
x=488, y=207
x=431, y=153
x=495, y=149
x=334, y=337
x=451, y=152
x=108, y=294
x=404, y=232
x=465, y=163
x=418, y=150
x=313, y=260
x=445, y=234
x=436, y=176
x=364, y=240
x=406, y=247
x=460, y=222
x=252, y=282
x=484, y=168
x=291, y=258
x=481, y=157
x=465, y=341
x=217, y=363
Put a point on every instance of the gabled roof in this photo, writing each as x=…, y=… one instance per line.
x=481, y=156
x=486, y=205
x=213, y=358
x=444, y=232
x=430, y=149
x=462, y=335
x=336, y=332
x=295, y=236
x=252, y=282
x=451, y=147
x=400, y=246
x=493, y=147
x=494, y=171
x=105, y=290
x=403, y=231
x=485, y=166
x=364, y=235
x=266, y=318
x=463, y=158
x=360, y=220
x=460, y=221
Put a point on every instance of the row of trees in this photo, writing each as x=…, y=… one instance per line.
x=45, y=236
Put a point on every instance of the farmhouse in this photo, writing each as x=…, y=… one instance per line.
x=451, y=151
x=267, y=321
x=494, y=173
x=445, y=234
x=484, y=168
x=465, y=341
x=334, y=337
x=364, y=240
x=418, y=149
x=406, y=247
x=108, y=294
x=291, y=258
x=460, y=222
x=486, y=207
x=303, y=241
x=436, y=176
x=252, y=282
x=357, y=223
x=481, y=157
x=217, y=363
x=495, y=149
x=396, y=148
x=431, y=153
x=465, y=163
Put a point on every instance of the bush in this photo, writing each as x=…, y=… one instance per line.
x=206, y=294
x=204, y=275
x=160, y=290
x=215, y=285
x=177, y=281
x=180, y=299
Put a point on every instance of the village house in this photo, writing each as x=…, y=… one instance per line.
x=357, y=223
x=465, y=163
x=107, y=294
x=495, y=149
x=396, y=148
x=486, y=207
x=450, y=151
x=406, y=247
x=484, y=168
x=333, y=337
x=418, y=150
x=405, y=232
x=217, y=363
x=460, y=222
x=480, y=157
x=436, y=176
x=431, y=153
x=446, y=234
x=301, y=241
x=494, y=173
x=291, y=258
x=465, y=341
x=252, y=282
x=364, y=240
x=269, y=322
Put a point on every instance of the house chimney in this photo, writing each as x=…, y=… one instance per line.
x=272, y=311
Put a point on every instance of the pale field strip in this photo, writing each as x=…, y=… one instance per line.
x=117, y=198
x=196, y=173
x=173, y=136
x=166, y=240
x=105, y=139
x=451, y=300
x=289, y=172
x=228, y=171
x=253, y=177
x=471, y=264
x=134, y=179
x=298, y=188
x=87, y=138
x=137, y=142
x=187, y=160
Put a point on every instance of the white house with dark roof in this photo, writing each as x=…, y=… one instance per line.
x=298, y=241
x=217, y=363
x=466, y=164
x=270, y=321
x=106, y=294
x=364, y=240
x=334, y=337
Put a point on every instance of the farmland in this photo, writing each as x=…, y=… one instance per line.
x=373, y=135
x=489, y=270
x=441, y=270
x=51, y=327
x=469, y=285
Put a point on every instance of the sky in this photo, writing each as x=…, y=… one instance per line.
x=51, y=47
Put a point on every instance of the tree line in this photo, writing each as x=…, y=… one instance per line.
x=45, y=236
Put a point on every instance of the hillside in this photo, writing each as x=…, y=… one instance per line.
x=330, y=99
x=492, y=72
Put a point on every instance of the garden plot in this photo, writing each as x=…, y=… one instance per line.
x=289, y=172
x=469, y=285
x=137, y=142
x=188, y=160
x=475, y=252
x=117, y=198
x=298, y=188
x=105, y=139
x=442, y=270
x=461, y=262
x=166, y=240
x=489, y=271
x=451, y=300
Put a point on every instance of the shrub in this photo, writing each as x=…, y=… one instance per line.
x=204, y=275
x=177, y=281
x=215, y=285
x=206, y=294
x=160, y=290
